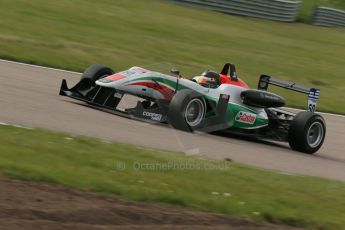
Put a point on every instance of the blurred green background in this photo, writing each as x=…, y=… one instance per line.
x=307, y=8
x=72, y=34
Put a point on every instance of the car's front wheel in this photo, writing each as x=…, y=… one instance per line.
x=187, y=110
x=88, y=80
x=307, y=132
x=96, y=72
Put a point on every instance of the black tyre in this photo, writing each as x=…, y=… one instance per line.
x=95, y=72
x=262, y=99
x=187, y=110
x=307, y=132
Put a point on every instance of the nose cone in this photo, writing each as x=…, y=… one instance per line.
x=115, y=77
x=111, y=78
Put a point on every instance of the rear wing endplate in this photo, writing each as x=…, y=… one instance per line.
x=313, y=93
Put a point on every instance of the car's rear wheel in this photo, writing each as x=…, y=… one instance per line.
x=187, y=110
x=307, y=132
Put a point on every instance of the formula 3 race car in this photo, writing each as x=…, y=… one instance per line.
x=195, y=105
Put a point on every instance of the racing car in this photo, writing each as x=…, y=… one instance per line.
x=208, y=102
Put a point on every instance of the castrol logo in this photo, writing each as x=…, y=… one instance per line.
x=245, y=117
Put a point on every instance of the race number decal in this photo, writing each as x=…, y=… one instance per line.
x=312, y=99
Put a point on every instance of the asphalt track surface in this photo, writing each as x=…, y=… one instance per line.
x=29, y=97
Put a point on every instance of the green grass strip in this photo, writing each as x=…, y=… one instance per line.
x=163, y=177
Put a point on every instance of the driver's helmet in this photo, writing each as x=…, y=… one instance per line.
x=209, y=79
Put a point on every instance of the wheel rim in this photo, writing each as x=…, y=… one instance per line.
x=194, y=112
x=315, y=134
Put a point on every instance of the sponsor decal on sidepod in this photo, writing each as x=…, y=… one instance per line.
x=153, y=116
x=245, y=117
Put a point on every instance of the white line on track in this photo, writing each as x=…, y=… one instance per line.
x=68, y=71
x=329, y=114
x=15, y=125
x=38, y=66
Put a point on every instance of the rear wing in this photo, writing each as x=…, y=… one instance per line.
x=313, y=93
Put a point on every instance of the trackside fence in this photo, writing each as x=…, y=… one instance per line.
x=324, y=16
x=277, y=10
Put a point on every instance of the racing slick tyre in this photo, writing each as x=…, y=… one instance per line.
x=262, y=99
x=95, y=72
x=187, y=110
x=307, y=132
x=88, y=80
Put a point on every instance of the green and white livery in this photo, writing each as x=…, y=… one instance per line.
x=197, y=105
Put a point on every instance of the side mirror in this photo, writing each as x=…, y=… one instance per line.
x=175, y=71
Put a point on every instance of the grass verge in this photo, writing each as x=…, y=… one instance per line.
x=74, y=34
x=163, y=177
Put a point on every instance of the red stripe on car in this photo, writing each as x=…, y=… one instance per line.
x=115, y=77
x=165, y=91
